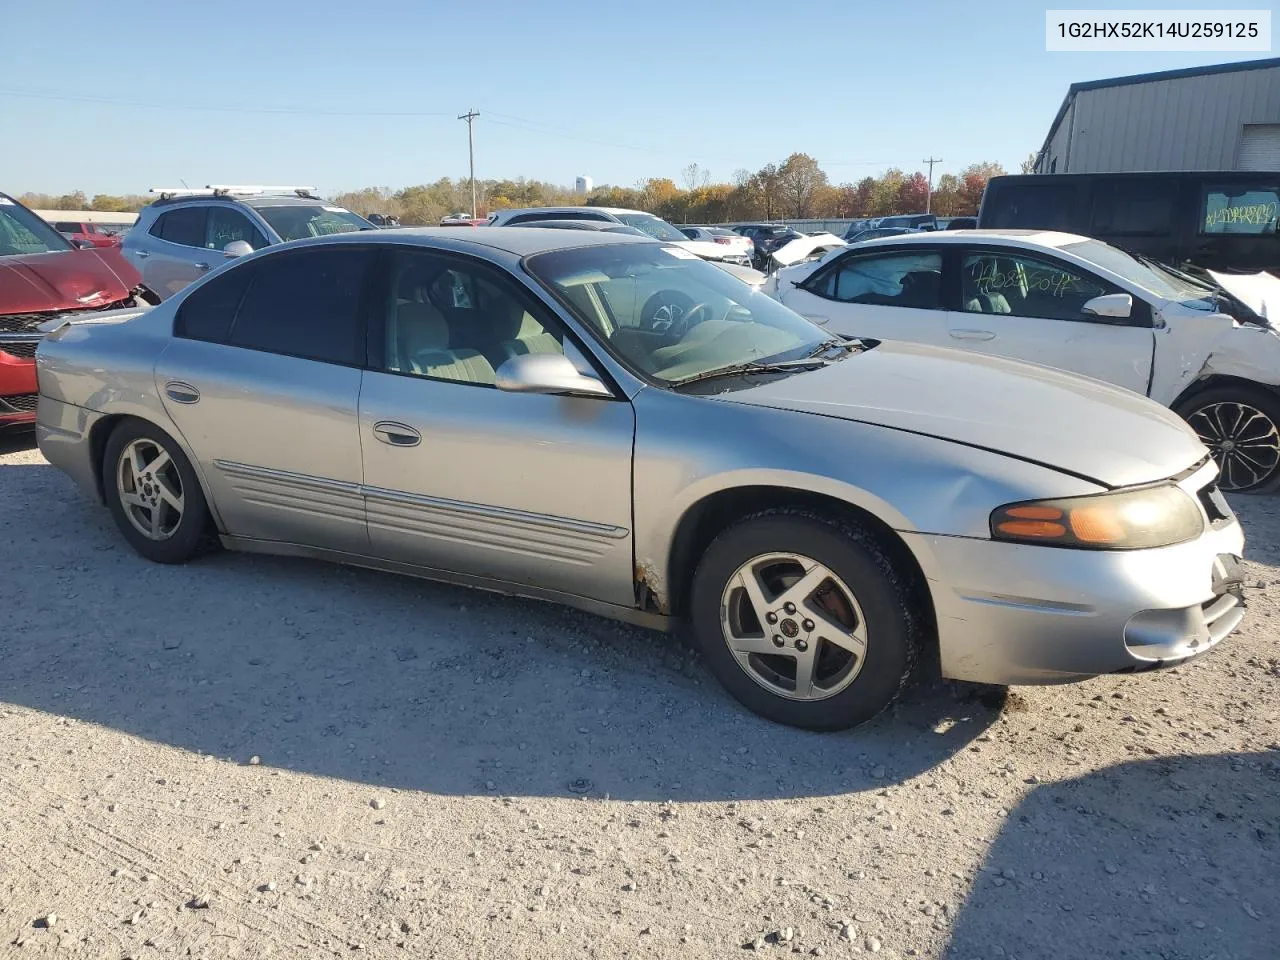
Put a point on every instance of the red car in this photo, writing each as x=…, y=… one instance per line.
x=87, y=234
x=42, y=276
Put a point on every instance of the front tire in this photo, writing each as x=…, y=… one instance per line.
x=805, y=619
x=153, y=493
x=1241, y=427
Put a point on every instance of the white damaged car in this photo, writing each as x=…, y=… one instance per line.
x=1078, y=304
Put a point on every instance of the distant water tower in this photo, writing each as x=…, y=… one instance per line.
x=582, y=186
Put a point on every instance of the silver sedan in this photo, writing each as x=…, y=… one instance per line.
x=611, y=423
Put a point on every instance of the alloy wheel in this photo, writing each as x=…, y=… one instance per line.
x=150, y=489
x=1243, y=440
x=793, y=626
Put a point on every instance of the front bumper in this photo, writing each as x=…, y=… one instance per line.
x=17, y=381
x=1026, y=614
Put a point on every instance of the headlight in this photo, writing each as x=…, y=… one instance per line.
x=1127, y=520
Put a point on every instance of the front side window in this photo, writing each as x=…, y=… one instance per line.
x=448, y=318
x=1022, y=286
x=305, y=303
x=22, y=232
x=226, y=226
x=184, y=226
x=301, y=220
x=63, y=226
x=668, y=315
x=1239, y=210
x=907, y=279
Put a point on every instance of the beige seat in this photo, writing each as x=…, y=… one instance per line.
x=418, y=342
x=530, y=337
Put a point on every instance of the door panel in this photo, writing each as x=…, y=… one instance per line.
x=276, y=437
x=527, y=488
x=1029, y=308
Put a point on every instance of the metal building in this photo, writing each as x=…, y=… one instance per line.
x=1222, y=117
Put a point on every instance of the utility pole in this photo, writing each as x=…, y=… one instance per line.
x=928, y=200
x=470, y=117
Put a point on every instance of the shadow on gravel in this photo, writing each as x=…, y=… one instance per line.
x=16, y=440
x=1082, y=867
x=395, y=681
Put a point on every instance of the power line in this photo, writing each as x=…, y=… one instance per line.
x=212, y=107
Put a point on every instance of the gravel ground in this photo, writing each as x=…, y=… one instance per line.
x=260, y=757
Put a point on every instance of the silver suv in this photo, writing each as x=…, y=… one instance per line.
x=187, y=232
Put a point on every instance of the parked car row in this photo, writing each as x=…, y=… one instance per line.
x=507, y=408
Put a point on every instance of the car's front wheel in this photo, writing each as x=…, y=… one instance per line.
x=1241, y=427
x=805, y=619
x=153, y=493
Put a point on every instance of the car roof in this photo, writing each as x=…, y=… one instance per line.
x=514, y=210
x=518, y=241
x=1044, y=238
x=280, y=200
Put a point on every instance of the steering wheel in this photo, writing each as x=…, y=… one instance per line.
x=670, y=312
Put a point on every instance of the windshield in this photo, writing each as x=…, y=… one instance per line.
x=1154, y=280
x=653, y=226
x=22, y=232
x=669, y=315
x=299, y=221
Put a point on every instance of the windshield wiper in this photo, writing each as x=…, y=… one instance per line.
x=754, y=366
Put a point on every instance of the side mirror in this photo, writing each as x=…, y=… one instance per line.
x=1117, y=306
x=547, y=373
x=82, y=244
x=236, y=248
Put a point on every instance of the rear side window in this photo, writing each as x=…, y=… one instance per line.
x=1134, y=207
x=1240, y=210
x=207, y=313
x=910, y=279
x=306, y=304
x=185, y=226
x=1046, y=206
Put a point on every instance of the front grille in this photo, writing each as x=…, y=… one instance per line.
x=19, y=403
x=19, y=348
x=28, y=322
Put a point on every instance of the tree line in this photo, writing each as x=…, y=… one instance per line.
x=795, y=189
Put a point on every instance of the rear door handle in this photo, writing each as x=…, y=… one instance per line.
x=202, y=266
x=179, y=391
x=141, y=254
x=396, y=434
x=972, y=335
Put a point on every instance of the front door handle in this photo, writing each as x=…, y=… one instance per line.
x=141, y=254
x=179, y=391
x=972, y=335
x=396, y=434
x=202, y=266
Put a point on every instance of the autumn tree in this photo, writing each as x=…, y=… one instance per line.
x=799, y=181
x=913, y=194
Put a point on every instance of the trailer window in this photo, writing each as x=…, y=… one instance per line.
x=1239, y=210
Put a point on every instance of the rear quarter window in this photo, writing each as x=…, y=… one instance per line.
x=207, y=313
x=1030, y=206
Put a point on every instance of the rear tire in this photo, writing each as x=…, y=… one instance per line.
x=1240, y=425
x=839, y=634
x=153, y=493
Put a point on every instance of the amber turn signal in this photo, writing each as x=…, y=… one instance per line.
x=1138, y=519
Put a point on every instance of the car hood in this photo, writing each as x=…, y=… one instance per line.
x=1073, y=424
x=65, y=280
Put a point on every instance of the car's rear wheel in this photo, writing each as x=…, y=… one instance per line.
x=1241, y=427
x=153, y=493
x=805, y=619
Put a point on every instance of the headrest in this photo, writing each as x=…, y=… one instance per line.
x=422, y=327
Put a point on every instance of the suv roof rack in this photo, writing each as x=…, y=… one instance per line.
x=231, y=190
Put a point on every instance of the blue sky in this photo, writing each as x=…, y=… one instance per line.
x=115, y=97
